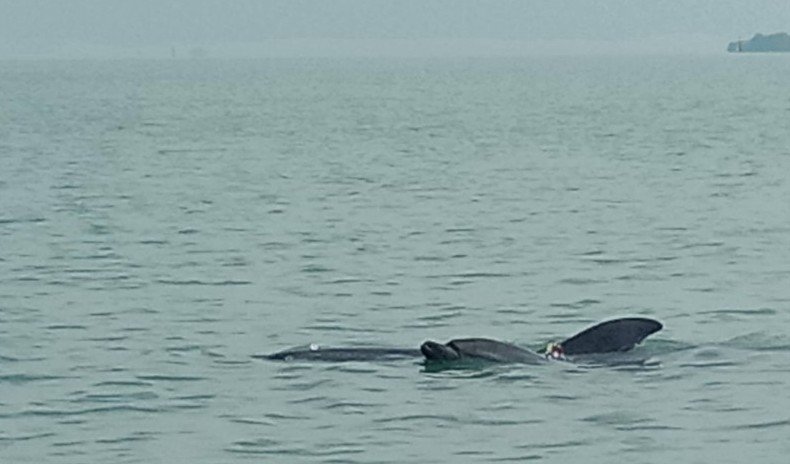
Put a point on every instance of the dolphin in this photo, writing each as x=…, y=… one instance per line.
x=315, y=352
x=616, y=335
x=479, y=348
x=610, y=336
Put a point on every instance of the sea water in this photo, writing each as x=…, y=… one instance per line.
x=162, y=221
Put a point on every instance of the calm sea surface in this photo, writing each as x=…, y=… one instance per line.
x=162, y=221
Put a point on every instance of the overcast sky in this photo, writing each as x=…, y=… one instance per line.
x=379, y=27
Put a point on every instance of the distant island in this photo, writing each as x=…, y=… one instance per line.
x=779, y=42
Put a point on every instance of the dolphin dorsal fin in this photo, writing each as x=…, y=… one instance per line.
x=609, y=336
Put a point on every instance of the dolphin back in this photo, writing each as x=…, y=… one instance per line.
x=480, y=348
x=611, y=336
x=315, y=353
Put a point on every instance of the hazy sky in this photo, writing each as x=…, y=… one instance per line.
x=371, y=27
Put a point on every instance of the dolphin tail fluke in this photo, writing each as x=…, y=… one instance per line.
x=610, y=336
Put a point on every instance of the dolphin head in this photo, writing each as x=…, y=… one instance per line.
x=439, y=352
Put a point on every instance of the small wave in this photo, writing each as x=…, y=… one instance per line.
x=174, y=151
x=712, y=244
x=599, y=257
x=152, y=241
x=350, y=404
x=554, y=445
x=27, y=378
x=109, y=338
x=350, y=368
x=742, y=312
x=700, y=364
x=277, y=416
x=579, y=281
x=185, y=348
x=619, y=419
x=418, y=418
x=649, y=427
x=526, y=457
x=457, y=230
x=21, y=220
x=123, y=383
x=18, y=438
x=760, y=425
x=759, y=341
x=80, y=412
x=315, y=268
x=577, y=304
x=645, y=277
x=252, y=421
x=479, y=274
x=442, y=316
x=170, y=378
x=66, y=327
x=116, y=397
x=258, y=446
x=347, y=280
x=202, y=282
x=65, y=444
x=134, y=437
x=330, y=327
x=430, y=258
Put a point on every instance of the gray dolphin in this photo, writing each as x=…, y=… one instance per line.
x=615, y=335
x=610, y=336
x=479, y=348
x=319, y=353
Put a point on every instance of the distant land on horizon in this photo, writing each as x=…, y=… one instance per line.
x=779, y=42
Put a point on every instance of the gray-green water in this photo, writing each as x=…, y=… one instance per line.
x=161, y=222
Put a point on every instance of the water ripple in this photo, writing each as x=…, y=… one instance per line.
x=418, y=418
x=762, y=425
x=28, y=378
x=170, y=378
x=122, y=408
x=133, y=437
x=187, y=282
x=18, y=438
